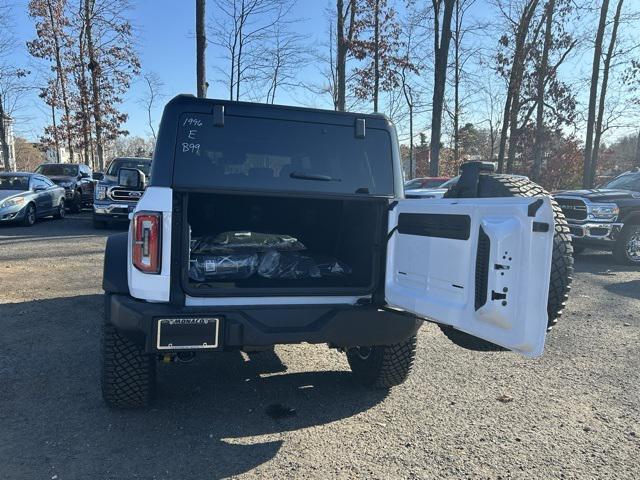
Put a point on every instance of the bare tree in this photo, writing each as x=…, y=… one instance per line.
x=152, y=95
x=112, y=61
x=543, y=68
x=593, y=163
x=51, y=42
x=512, y=102
x=242, y=29
x=12, y=85
x=345, y=31
x=442, y=39
x=286, y=56
x=201, y=45
x=593, y=93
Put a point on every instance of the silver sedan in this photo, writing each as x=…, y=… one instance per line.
x=25, y=197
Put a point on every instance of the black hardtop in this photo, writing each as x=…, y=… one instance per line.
x=163, y=158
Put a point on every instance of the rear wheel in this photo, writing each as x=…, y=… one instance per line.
x=383, y=366
x=61, y=211
x=627, y=247
x=562, y=258
x=76, y=202
x=578, y=249
x=128, y=374
x=29, y=216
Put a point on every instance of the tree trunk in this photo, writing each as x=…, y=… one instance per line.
x=603, y=95
x=4, y=141
x=84, y=100
x=201, y=45
x=456, y=88
x=376, y=55
x=504, y=129
x=439, y=81
x=411, y=161
x=512, y=103
x=593, y=93
x=536, y=168
x=62, y=79
x=56, y=141
x=239, y=56
x=341, y=57
x=94, y=67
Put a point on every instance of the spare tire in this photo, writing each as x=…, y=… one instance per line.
x=496, y=185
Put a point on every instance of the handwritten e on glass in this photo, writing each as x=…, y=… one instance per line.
x=192, y=123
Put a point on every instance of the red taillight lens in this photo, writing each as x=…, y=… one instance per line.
x=147, y=243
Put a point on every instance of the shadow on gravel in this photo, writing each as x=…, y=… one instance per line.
x=54, y=422
x=600, y=263
x=629, y=289
x=74, y=226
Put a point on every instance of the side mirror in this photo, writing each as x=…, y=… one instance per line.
x=39, y=188
x=132, y=178
x=98, y=176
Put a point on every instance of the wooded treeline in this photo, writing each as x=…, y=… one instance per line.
x=541, y=87
x=88, y=60
x=499, y=73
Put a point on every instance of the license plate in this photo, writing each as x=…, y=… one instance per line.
x=187, y=333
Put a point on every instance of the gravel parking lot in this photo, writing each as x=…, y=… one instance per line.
x=574, y=413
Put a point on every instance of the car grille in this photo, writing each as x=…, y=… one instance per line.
x=125, y=195
x=573, y=209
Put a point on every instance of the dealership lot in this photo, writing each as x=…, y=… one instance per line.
x=574, y=413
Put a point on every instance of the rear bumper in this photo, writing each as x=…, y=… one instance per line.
x=337, y=325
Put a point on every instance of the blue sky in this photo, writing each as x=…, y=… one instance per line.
x=166, y=46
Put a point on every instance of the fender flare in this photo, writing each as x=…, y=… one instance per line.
x=114, y=276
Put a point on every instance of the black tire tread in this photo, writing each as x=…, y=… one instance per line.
x=128, y=374
x=387, y=366
x=500, y=185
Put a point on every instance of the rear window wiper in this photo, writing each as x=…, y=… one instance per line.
x=313, y=176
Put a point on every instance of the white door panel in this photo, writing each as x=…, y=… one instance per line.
x=497, y=292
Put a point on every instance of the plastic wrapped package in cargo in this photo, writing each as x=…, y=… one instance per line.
x=316, y=246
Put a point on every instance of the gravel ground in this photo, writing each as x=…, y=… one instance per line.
x=574, y=413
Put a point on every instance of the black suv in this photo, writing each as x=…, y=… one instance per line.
x=113, y=201
x=76, y=179
x=606, y=217
x=266, y=225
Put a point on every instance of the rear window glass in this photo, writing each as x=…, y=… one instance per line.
x=118, y=163
x=268, y=154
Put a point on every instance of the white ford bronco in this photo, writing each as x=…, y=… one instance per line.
x=265, y=225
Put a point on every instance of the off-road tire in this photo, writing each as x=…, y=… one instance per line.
x=620, y=253
x=76, y=202
x=30, y=216
x=128, y=374
x=493, y=185
x=383, y=366
x=61, y=211
x=578, y=249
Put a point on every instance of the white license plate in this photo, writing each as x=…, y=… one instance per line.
x=188, y=333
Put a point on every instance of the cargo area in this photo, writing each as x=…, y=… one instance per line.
x=285, y=245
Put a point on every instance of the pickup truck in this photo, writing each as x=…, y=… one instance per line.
x=607, y=217
x=266, y=225
x=114, y=200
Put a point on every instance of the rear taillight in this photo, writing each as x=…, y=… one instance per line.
x=147, y=242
